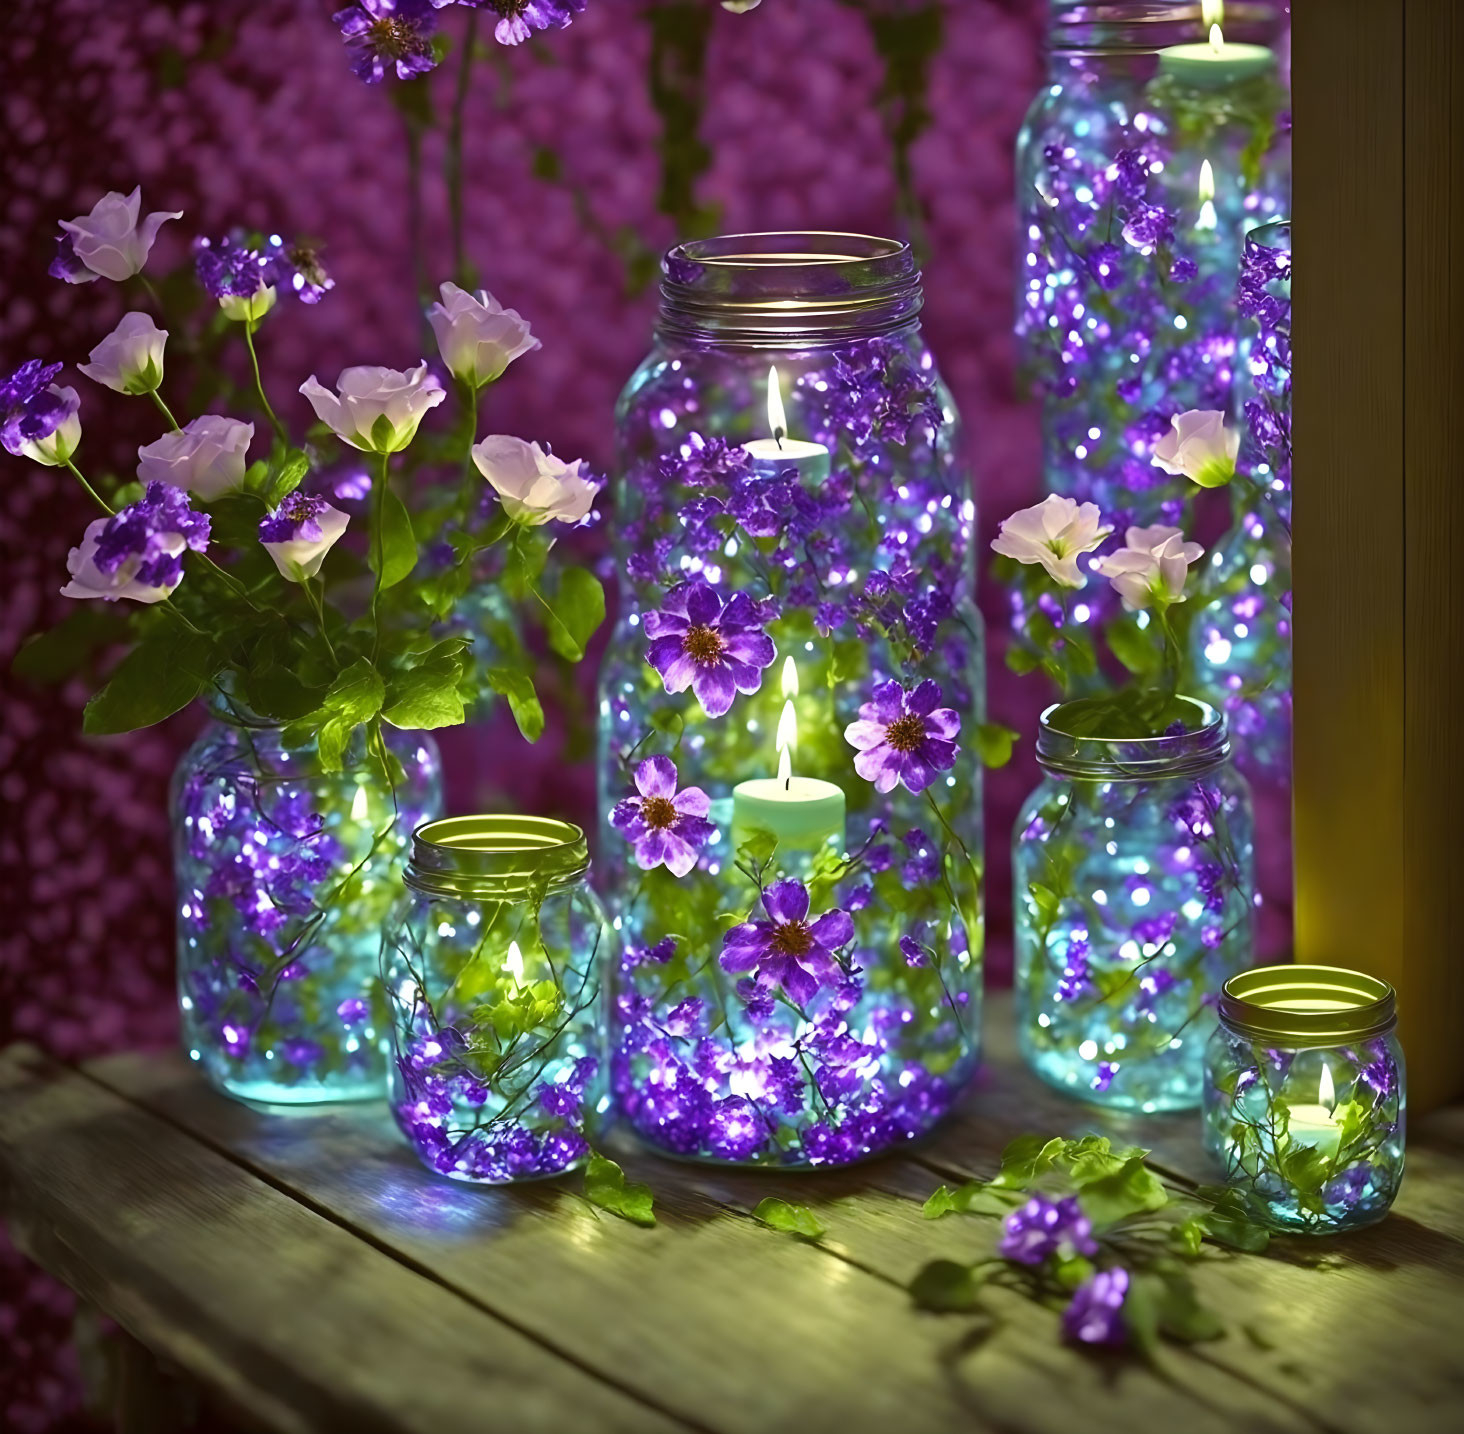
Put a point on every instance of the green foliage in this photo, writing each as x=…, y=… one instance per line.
x=518, y=1011
x=1130, y=714
x=398, y=544
x=994, y=744
x=575, y=611
x=1132, y=1189
x=284, y=476
x=523, y=701
x=428, y=695
x=947, y=1286
x=71, y=646
x=163, y=673
x=792, y=1219
x=354, y=697
x=607, y=1187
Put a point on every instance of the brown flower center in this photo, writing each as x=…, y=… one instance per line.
x=703, y=645
x=396, y=38
x=792, y=938
x=658, y=812
x=905, y=733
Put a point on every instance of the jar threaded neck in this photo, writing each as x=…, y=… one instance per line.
x=496, y=856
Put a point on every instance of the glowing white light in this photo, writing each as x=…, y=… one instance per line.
x=1141, y=896
x=1212, y=12
x=514, y=962
x=1088, y=1050
x=1326, y=1091
x=359, y=807
x=777, y=419
x=1258, y=574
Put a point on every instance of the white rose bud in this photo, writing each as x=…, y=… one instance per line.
x=476, y=336
x=130, y=358
x=1199, y=447
x=533, y=486
x=1151, y=567
x=378, y=409
x=109, y=241
x=64, y=439
x=206, y=457
x=299, y=533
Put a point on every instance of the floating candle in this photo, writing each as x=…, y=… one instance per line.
x=1318, y=1124
x=778, y=453
x=1215, y=64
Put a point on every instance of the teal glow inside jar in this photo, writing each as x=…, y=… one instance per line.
x=1134, y=889
x=491, y=962
x=1305, y=1095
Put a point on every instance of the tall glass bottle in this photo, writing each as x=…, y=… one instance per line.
x=790, y=801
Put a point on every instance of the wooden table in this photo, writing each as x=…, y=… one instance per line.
x=304, y=1269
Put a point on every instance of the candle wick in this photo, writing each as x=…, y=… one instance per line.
x=778, y=437
x=788, y=784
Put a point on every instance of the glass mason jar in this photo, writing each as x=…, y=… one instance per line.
x=789, y=793
x=1305, y=1096
x=1241, y=639
x=1138, y=176
x=1133, y=881
x=492, y=964
x=284, y=872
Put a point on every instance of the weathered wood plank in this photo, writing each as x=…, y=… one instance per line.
x=727, y=1322
x=290, y=1319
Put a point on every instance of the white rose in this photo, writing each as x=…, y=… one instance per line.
x=109, y=241
x=206, y=457
x=89, y=581
x=1053, y=533
x=299, y=533
x=534, y=486
x=476, y=336
x=63, y=441
x=1199, y=447
x=130, y=358
x=378, y=409
x=1150, y=568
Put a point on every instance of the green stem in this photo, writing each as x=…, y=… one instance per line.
x=152, y=293
x=157, y=398
x=278, y=427
x=469, y=489
x=378, y=517
x=1171, y=649
x=101, y=502
x=317, y=600
x=455, y=149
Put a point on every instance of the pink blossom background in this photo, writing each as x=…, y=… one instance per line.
x=241, y=112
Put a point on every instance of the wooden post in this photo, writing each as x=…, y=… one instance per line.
x=1378, y=90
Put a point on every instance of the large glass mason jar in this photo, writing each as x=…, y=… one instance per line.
x=1141, y=164
x=1133, y=881
x=1305, y=1096
x=284, y=873
x=789, y=793
x=493, y=962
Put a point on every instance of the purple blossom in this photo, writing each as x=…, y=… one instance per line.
x=666, y=826
x=924, y=864
x=559, y=1101
x=903, y=737
x=1095, y=1313
x=1105, y=264
x=789, y=950
x=385, y=34
x=1350, y=1186
x=353, y=1010
x=228, y=269
x=914, y=953
x=67, y=265
x=152, y=533
x=520, y=18
x=31, y=407
x=1148, y=226
x=757, y=999
x=706, y=463
x=296, y=518
x=295, y=268
x=717, y=650
x=1044, y=1227
x=1075, y=982
x=1103, y=1076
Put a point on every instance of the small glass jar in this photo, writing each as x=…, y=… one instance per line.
x=492, y=964
x=1134, y=889
x=1305, y=1095
x=284, y=873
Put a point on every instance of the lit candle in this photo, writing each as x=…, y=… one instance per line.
x=773, y=455
x=1216, y=64
x=1318, y=1124
x=1208, y=218
x=801, y=812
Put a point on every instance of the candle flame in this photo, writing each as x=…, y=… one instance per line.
x=1212, y=12
x=360, y=805
x=786, y=739
x=777, y=419
x=1217, y=39
x=514, y=962
x=1326, y=1091
x=785, y=767
x=1207, y=181
x=790, y=677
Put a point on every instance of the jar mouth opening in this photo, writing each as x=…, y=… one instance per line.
x=1146, y=26
x=1202, y=744
x=788, y=288
x=472, y=853
x=1308, y=1005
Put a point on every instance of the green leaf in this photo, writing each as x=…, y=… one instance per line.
x=398, y=545
x=994, y=744
x=574, y=612
x=946, y=1286
x=1046, y=900
x=1234, y=1231
x=1027, y=1157
x=1072, y=1271
x=940, y=1203
x=278, y=692
x=523, y=701
x=426, y=697
x=792, y=1219
x=1186, y=1237
x=607, y=1187
x=1135, y=647
x=1021, y=661
x=163, y=673
x=383, y=431
x=1132, y=1189
x=286, y=477
x=757, y=847
x=68, y=647
x=353, y=698
x=1181, y=1315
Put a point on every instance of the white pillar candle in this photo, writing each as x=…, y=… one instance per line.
x=771, y=456
x=1215, y=64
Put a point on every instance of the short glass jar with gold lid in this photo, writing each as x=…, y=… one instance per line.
x=1304, y=1095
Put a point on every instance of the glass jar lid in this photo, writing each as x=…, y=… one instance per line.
x=793, y=289
x=1308, y=1005
x=496, y=856
x=1065, y=749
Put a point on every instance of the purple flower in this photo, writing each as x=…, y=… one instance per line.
x=353, y=1010
x=299, y=533
x=67, y=263
x=381, y=34
x=1105, y=264
x=228, y=269
x=138, y=552
x=32, y=408
x=914, y=953
x=1103, y=1078
x=1095, y=1314
x=668, y=827
x=716, y=650
x=904, y=737
x=1348, y=1187
x=789, y=950
x=1148, y=226
x=520, y=18
x=295, y=267
x=1043, y=1227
